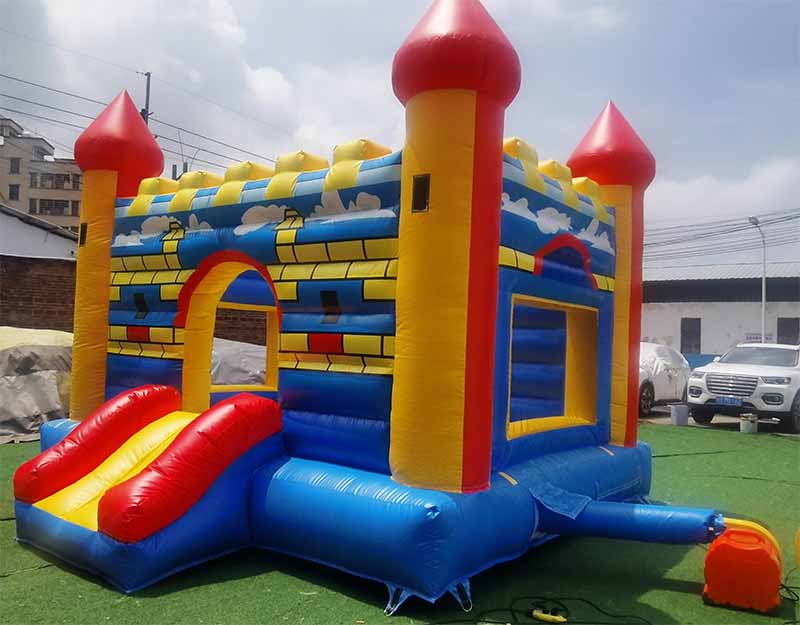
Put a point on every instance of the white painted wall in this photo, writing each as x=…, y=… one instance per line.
x=723, y=325
x=18, y=238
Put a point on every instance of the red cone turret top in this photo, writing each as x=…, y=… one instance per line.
x=457, y=45
x=612, y=152
x=119, y=140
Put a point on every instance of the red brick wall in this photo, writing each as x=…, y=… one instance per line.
x=37, y=292
x=248, y=326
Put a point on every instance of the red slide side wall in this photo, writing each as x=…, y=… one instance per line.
x=94, y=440
x=178, y=478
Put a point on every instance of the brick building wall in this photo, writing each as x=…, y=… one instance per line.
x=40, y=292
x=248, y=326
x=37, y=292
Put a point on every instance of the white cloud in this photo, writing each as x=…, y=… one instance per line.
x=331, y=205
x=597, y=240
x=549, y=220
x=195, y=224
x=151, y=227
x=767, y=186
x=222, y=19
x=259, y=216
x=383, y=213
x=132, y=238
x=156, y=225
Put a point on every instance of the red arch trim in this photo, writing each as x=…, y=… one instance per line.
x=217, y=258
x=561, y=241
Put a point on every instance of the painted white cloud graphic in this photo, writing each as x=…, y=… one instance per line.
x=365, y=206
x=196, y=224
x=597, y=240
x=151, y=227
x=549, y=220
x=259, y=216
x=156, y=224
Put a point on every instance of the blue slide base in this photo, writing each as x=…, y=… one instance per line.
x=51, y=432
x=217, y=524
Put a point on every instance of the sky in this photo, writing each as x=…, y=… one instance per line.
x=712, y=87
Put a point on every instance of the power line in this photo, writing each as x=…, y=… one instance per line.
x=152, y=118
x=199, y=160
x=196, y=147
x=47, y=106
x=58, y=121
x=706, y=251
x=741, y=264
x=161, y=80
x=83, y=54
x=742, y=227
x=42, y=117
x=201, y=136
x=711, y=224
x=165, y=137
x=53, y=89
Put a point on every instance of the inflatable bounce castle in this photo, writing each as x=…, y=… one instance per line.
x=452, y=340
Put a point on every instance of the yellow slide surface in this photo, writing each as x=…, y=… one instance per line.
x=78, y=502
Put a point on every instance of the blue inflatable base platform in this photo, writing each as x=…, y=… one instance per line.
x=417, y=542
x=424, y=542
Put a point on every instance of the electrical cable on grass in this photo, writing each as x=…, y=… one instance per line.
x=547, y=606
x=25, y=570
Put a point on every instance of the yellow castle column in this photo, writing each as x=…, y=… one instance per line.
x=613, y=155
x=455, y=73
x=115, y=153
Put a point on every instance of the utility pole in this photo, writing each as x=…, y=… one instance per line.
x=147, y=99
x=756, y=223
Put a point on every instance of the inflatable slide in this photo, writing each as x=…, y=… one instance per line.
x=142, y=489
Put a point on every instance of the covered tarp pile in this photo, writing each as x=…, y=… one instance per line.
x=35, y=370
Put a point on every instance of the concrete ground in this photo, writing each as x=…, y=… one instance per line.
x=661, y=416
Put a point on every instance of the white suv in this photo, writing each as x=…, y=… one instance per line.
x=763, y=378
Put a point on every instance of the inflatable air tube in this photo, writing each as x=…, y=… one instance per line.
x=643, y=522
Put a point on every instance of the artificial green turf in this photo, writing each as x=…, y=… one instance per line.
x=757, y=476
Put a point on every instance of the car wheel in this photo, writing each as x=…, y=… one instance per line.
x=703, y=416
x=792, y=422
x=647, y=398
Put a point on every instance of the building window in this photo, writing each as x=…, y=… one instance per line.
x=13, y=165
x=13, y=192
x=75, y=205
x=76, y=182
x=32, y=206
x=789, y=330
x=55, y=181
x=690, y=335
x=53, y=207
x=34, y=180
x=553, y=373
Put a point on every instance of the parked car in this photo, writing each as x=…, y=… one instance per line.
x=761, y=378
x=663, y=376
